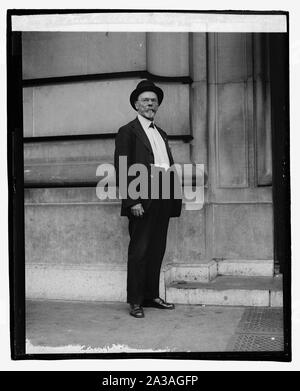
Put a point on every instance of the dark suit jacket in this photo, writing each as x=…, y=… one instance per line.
x=132, y=142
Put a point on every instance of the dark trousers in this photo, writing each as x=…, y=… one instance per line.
x=148, y=238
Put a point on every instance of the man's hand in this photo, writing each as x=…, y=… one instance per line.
x=137, y=210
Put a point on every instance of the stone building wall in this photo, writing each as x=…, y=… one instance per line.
x=226, y=110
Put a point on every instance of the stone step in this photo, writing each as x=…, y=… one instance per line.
x=228, y=290
x=190, y=272
x=209, y=270
x=194, y=284
x=247, y=267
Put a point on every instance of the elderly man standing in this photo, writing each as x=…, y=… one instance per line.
x=142, y=141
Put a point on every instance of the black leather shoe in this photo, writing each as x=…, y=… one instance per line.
x=136, y=310
x=159, y=303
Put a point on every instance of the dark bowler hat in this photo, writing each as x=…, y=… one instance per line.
x=146, y=85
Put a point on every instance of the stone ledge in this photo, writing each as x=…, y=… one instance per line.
x=100, y=283
x=241, y=267
x=203, y=272
x=211, y=297
x=61, y=195
x=68, y=195
x=233, y=282
x=247, y=291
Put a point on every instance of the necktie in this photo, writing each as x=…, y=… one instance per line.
x=151, y=125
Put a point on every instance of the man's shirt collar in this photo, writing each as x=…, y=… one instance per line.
x=144, y=121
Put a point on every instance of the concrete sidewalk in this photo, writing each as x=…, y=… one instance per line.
x=106, y=327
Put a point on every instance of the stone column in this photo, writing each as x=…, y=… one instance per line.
x=240, y=212
x=198, y=72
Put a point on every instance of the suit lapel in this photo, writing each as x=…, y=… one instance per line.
x=167, y=145
x=139, y=131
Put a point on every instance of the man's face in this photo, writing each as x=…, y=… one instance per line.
x=147, y=104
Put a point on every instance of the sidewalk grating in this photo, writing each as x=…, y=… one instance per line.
x=260, y=329
x=261, y=320
x=255, y=343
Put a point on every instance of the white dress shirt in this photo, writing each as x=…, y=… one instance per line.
x=161, y=158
